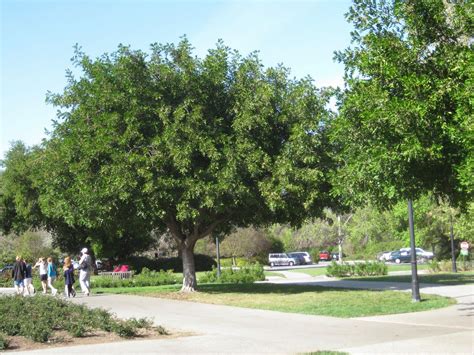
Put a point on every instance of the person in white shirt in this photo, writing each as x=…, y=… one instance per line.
x=85, y=265
x=43, y=272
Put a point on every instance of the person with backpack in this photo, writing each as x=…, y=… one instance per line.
x=85, y=267
x=52, y=274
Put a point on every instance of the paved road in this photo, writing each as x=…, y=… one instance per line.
x=224, y=329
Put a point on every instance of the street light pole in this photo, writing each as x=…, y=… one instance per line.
x=218, y=258
x=453, y=254
x=415, y=287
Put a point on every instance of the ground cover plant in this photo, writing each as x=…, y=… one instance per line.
x=459, y=278
x=41, y=318
x=313, y=300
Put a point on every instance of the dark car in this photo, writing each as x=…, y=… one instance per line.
x=299, y=257
x=399, y=257
x=324, y=256
x=335, y=255
x=6, y=268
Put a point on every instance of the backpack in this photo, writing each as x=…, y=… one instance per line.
x=85, y=264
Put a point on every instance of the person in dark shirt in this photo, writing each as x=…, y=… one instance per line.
x=18, y=275
x=28, y=281
x=69, y=278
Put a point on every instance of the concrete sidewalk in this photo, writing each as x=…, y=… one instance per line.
x=224, y=329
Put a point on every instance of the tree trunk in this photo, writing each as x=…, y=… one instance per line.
x=189, y=269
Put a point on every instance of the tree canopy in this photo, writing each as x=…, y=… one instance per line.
x=168, y=141
x=406, y=120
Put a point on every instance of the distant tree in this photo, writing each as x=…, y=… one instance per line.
x=406, y=119
x=195, y=147
x=248, y=243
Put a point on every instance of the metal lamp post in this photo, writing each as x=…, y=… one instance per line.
x=415, y=287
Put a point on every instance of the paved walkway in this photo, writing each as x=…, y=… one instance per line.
x=224, y=329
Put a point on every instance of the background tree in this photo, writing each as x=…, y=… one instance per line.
x=168, y=141
x=250, y=243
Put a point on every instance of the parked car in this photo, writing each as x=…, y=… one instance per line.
x=298, y=257
x=400, y=257
x=420, y=253
x=305, y=255
x=6, y=268
x=324, y=256
x=279, y=259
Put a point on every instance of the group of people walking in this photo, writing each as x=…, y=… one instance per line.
x=22, y=275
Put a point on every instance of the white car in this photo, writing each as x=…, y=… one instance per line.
x=279, y=259
x=420, y=253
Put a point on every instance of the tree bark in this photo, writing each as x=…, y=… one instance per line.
x=189, y=268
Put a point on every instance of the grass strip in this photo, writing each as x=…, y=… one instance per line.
x=312, y=300
x=460, y=278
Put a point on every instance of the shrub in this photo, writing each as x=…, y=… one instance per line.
x=145, y=278
x=358, y=269
x=447, y=265
x=246, y=274
x=49, y=314
x=4, y=342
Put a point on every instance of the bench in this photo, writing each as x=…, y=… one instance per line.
x=117, y=274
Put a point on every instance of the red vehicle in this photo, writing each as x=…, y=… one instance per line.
x=324, y=256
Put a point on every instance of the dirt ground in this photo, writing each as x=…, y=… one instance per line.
x=62, y=338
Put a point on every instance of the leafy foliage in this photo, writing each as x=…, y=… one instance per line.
x=197, y=146
x=145, y=278
x=357, y=269
x=47, y=314
x=406, y=119
x=244, y=274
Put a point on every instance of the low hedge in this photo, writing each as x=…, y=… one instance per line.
x=357, y=269
x=145, y=278
x=45, y=315
x=462, y=264
x=245, y=274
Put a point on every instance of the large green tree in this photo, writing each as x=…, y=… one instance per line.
x=188, y=145
x=406, y=118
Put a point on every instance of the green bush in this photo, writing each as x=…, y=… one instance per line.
x=358, y=269
x=145, y=278
x=245, y=274
x=462, y=264
x=4, y=342
x=49, y=314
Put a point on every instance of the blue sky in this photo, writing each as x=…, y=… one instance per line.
x=37, y=39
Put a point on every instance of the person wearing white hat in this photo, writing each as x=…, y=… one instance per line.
x=85, y=266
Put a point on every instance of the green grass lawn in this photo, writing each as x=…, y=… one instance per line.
x=406, y=267
x=460, y=278
x=311, y=271
x=312, y=300
x=274, y=273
